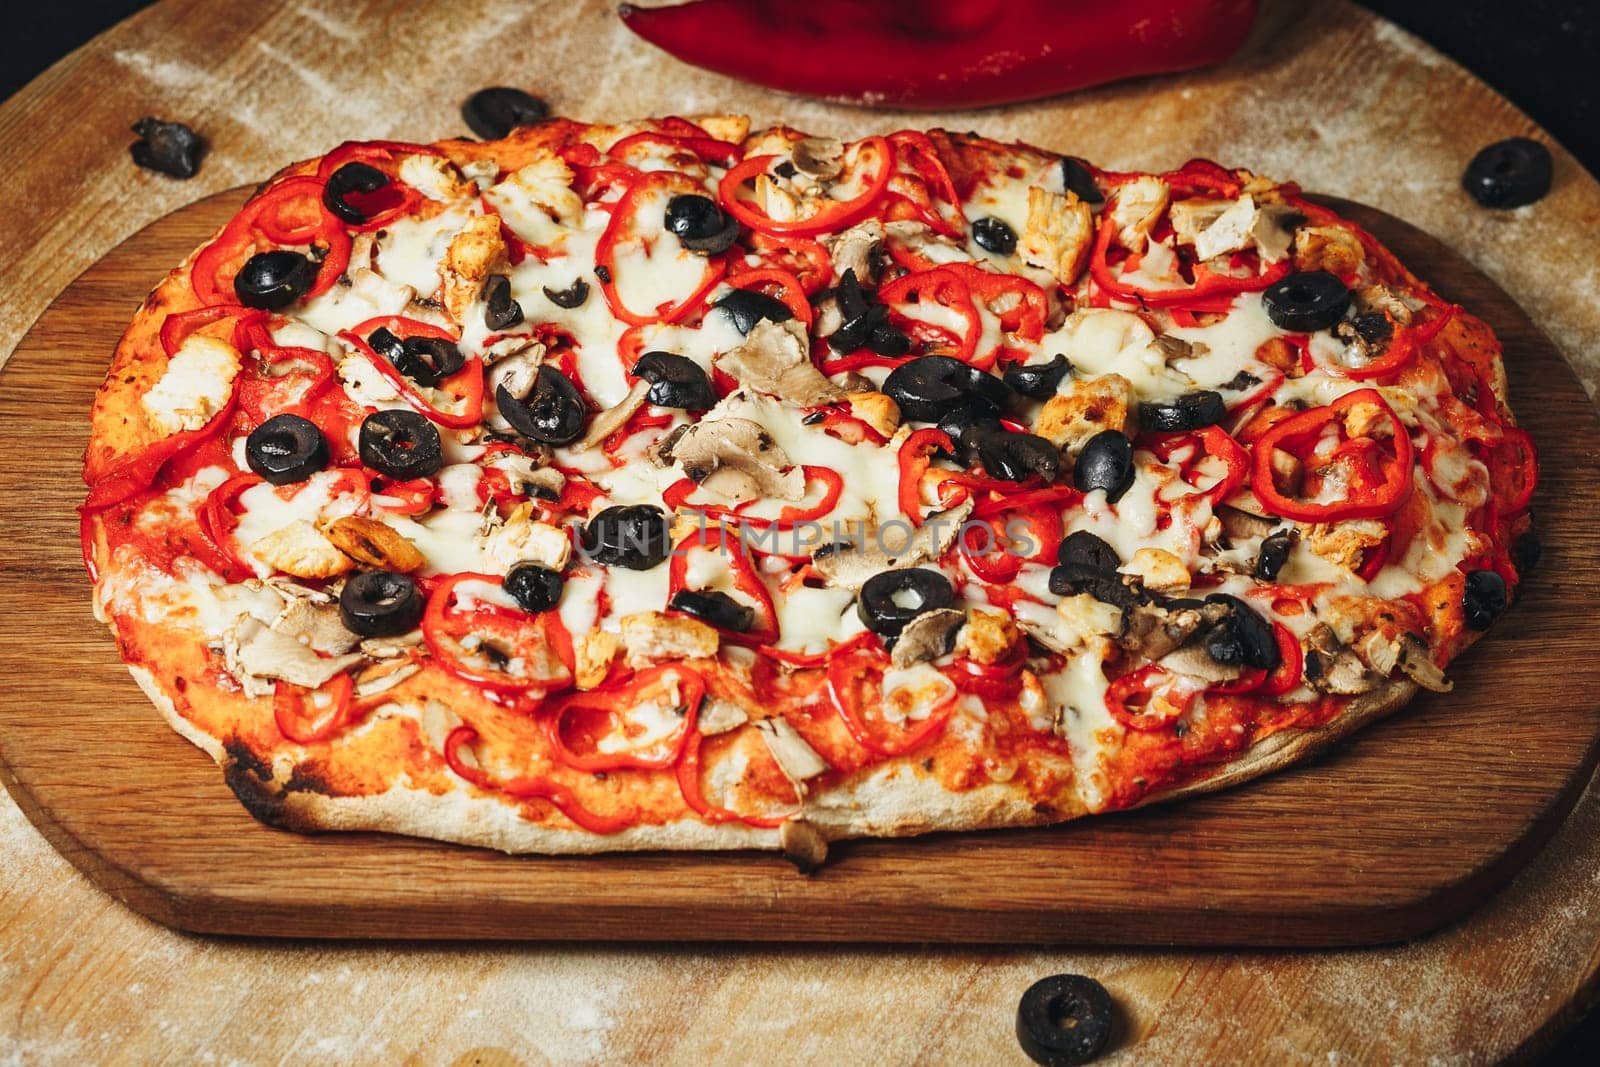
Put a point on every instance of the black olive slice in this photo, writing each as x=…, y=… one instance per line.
x=1106, y=462
x=495, y=112
x=425, y=360
x=1525, y=552
x=1084, y=549
x=715, y=608
x=890, y=599
x=169, y=148
x=1510, y=173
x=501, y=312
x=635, y=536
x=535, y=587
x=273, y=280
x=963, y=425
x=1106, y=586
x=552, y=413
x=930, y=387
x=1273, y=555
x=1064, y=1020
x=1076, y=179
x=675, y=381
x=1191, y=411
x=1483, y=599
x=1016, y=457
x=1243, y=638
x=572, y=296
x=380, y=604
x=1038, y=380
x=286, y=449
x=351, y=178
x=1306, y=302
x=746, y=307
x=718, y=242
x=692, y=215
x=400, y=444
x=994, y=235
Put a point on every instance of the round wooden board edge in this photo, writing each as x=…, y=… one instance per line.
x=219, y=913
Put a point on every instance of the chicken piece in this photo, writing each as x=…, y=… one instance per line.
x=876, y=410
x=988, y=636
x=1083, y=408
x=1137, y=208
x=1058, y=234
x=374, y=543
x=435, y=178
x=1158, y=570
x=195, y=386
x=1329, y=248
x=592, y=656
x=650, y=636
x=475, y=253
x=1344, y=544
x=522, y=539
x=300, y=549
x=1215, y=227
x=732, y=128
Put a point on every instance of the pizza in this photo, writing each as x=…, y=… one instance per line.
x=666, y=484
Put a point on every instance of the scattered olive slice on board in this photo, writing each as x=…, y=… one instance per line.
x=634, y=536
x=572, y=296
x=1510, y=173
x=1306, y=302
x=746, y=307
x=286, y=449
x=493, y=113
x=930, y=387
x=501, y=311
x=380, y=604
x=400, y=444
x=1525, y=552
x=273, y=280
x=675, y=381
x=351, y=178
x=1064, y=1020
x=715, y=608
x=169, y=148
x=536, y=588
x=1106, y=462
x=552, y=413
x=1038, y=381
x=1483, y=599
x=890, y=599
x=994, y=235
x=1191, y=411
x=1075, y=177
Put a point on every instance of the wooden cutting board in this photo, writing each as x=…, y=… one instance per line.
x=1398, y=832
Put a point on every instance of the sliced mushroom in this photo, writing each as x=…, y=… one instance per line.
x=803, y=845
x=797, y=759
x=848, y=565
x=613, y=418
x=255, y=652
x=1196, y=662
x=720, y=716
x=820, y=157
x=315, y=624
x=391, y=647
x=775, y=359
x=856, y=249
x=1346, y=675
x=1243, y=526
x=1155, y=630
x=381, y=680
x=927, y=637
x=1418, y=665
x=757, y=466
x=527, y=477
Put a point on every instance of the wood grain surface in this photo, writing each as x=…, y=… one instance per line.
x=1325, y=93
x=1489, y=769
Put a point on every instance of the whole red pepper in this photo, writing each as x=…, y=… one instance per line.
x=937, y=54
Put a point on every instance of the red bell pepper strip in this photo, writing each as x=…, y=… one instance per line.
x=1290, y=670
x=915, y=456
x=605, y=253
x=1210, y=441
x=847, y=676
x=948, y=288
x=609, y=701
x=478, y=644
x=812, y=660
x=1514, y=469
x=1375, y=486
x=998, y=561
x=301, y=720
x=787, y=288
x=806, y=259
x=677, y=496
x=522, y=788
x=1141, y=685
x=465, y=385
x=140, y=472
x=218, y=521
x=926, y=187
x=178, y=326
x=943, y=54
x=688, y=774
x=745, y=579
x=706, y=148
x=829, y=215
x=212, y=273
x=1401, y=352
x=1211, y=290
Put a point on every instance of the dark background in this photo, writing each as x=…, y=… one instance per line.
x=1542, y=54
